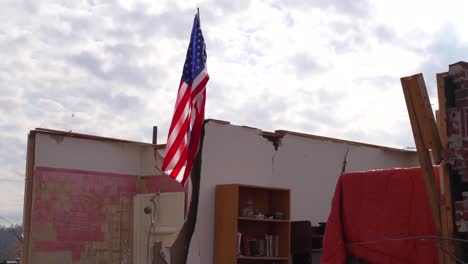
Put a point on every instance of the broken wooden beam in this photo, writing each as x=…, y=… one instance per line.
x=426, y=137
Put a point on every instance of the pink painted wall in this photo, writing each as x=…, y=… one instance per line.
x=74, y=203
x=71, y=209
x=79, y=189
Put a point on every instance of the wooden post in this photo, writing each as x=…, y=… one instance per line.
x=426, y=137
x=445, y=185
x=429, y=131
x=442, y=108
x=155, y=135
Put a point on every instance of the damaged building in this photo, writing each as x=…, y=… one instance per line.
x=86, y=196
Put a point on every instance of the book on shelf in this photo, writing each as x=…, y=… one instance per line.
x=276, y=244
x=258, y=246
x=268, y=251
x=239, y=239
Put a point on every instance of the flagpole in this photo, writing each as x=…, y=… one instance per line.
x=198, y=13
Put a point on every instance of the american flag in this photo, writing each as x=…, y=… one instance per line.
x=185, y=130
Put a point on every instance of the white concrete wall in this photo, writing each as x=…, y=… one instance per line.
x=309, y=167
x=230, y=154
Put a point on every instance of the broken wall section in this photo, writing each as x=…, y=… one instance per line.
x=81, y=198
x=457, y=118
x=308, y=165
x=456, y=94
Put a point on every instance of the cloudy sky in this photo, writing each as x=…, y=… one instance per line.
x=112, y=68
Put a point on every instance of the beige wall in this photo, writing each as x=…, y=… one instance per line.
x=104, y=179
x=94, y=155
x=309, y=167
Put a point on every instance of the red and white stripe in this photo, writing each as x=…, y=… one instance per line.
x=185, y=130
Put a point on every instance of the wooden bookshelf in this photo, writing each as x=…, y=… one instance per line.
x=261, y=220
x=264, y=240
x=260, y=258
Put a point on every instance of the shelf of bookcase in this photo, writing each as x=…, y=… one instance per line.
x=261, y=258
x=231, y=201
x=240, y=218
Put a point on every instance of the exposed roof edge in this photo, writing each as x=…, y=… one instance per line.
x=92, y=137
x=337, y=140
x=218, y=121
x=282, y=133
x=277, y=133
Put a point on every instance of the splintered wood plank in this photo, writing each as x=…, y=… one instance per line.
x=442, y=127
x=446, y=212
x=446, y=207
x=442, y=121
x=419, y=118
x=423, y=109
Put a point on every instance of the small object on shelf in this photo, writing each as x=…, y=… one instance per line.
x=278, y=215
x=260, y=216
x=248, y=210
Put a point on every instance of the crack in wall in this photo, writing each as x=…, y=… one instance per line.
x=345, y=160
x=273, y=162
x=274, y=138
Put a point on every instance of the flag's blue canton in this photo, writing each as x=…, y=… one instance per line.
x=196, y=54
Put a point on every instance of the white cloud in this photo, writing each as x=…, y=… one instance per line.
x=112, y=68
